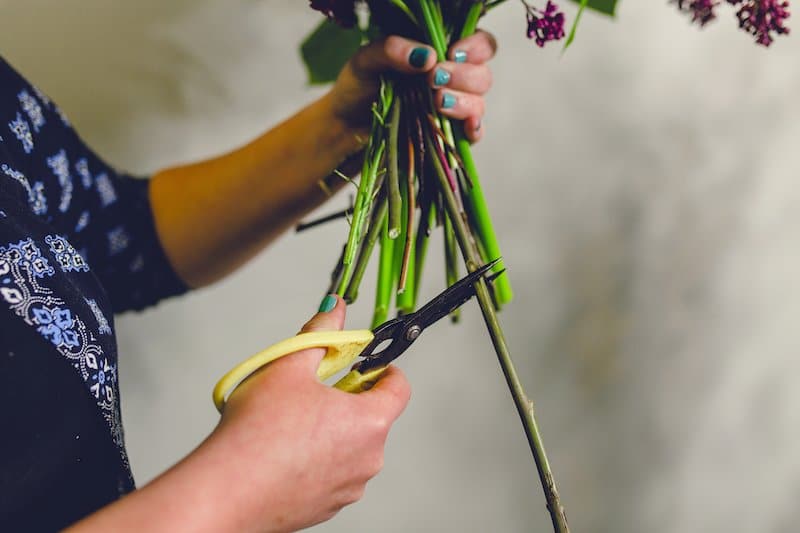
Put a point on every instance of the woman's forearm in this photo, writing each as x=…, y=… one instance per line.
x=214, y=215
x=197, y=494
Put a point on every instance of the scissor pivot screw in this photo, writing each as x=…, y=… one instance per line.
x=413, y=332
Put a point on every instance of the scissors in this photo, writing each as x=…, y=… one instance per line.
x=377, y=347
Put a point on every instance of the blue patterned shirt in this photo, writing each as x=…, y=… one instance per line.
x=77, y=244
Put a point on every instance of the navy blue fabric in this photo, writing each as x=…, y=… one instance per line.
x=77, y=244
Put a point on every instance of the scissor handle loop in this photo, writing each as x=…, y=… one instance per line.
x=343, y=349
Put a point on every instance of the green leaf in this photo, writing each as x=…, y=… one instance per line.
x=607, y=7
x=327, y=50
x=574, y=28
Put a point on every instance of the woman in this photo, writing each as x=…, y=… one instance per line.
x=288, y=452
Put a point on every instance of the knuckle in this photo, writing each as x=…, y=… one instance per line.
x=489, y=79
x=355, y=495
x=403, y=393
x=394, y=46
x=490, y=40
x=360, y=60
x=478, y=106
x=376, y=465
x=381, y=423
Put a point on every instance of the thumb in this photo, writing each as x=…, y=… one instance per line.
x=330, y=316
x=393, y=53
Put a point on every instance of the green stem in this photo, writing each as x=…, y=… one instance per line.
x=406, y=286
x=361, y=209
x=451, y=260
x=427, y=220
x=393, y=184
x=475, y=198
x=523, y=404
x=471, y=22
x=455, y=136
x=404, y=8
x=376, y=225
x=383, y=294
x=435, y=32
x=483, y=221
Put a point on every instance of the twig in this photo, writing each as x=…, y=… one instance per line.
x=523, y=404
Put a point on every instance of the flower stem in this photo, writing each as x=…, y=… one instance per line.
x=426, y=221
x=393, y=184
x=376, y=226
x=523, y=404
x=475, y=198
x=386, y=277
x=451, y=260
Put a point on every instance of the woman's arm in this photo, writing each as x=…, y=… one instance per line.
x=289, y=452
x=214, y=215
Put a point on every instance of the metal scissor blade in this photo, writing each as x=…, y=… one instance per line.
x=451, y=298
x=401, y=332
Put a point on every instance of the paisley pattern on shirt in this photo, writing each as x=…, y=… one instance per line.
x=24, y=271
x=77, y=243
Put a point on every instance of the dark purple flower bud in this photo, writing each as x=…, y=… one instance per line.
x=762, y=18
x=702, y=11
x=545, y=26
x=341, y=11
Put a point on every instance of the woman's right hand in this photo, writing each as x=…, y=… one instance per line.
x=302, y=450
x=288, y=453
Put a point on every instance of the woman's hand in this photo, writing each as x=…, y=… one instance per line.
x=243, y=200
x=459, y=83
x=302, y=449
x=288, y=453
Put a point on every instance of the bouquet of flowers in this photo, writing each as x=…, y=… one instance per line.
x=418, y=173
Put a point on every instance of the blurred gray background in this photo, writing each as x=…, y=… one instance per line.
x=644, y=188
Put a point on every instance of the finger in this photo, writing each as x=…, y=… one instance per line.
x=331, y=316
x=390, y=395
x=473, y=128
x=393, y=53
x=476, y=49
x=459, y=105
x=476, y=79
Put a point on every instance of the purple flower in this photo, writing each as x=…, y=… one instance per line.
x=341, y=11
x=544, y=26
x=702, y=11
x=761, y=18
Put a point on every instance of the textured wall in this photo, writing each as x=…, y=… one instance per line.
x=644, y=190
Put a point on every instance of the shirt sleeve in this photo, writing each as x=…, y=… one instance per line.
x=104, y=213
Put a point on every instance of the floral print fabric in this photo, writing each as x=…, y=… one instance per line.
x=77, y=244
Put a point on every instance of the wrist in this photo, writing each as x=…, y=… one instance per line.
x=341, y=133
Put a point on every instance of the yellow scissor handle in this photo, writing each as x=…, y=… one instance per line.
x=343, y=349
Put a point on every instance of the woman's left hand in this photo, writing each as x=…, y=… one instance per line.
x=459, y=83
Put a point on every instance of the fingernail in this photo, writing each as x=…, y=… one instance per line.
x=418, y=57
x=328, y=303
x=460, y=56
x=441, y=77
x=478, y=127
x=448, y=101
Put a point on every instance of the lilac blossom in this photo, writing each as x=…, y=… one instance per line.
x=761, y=18
x=544, y=25
x=702, y=11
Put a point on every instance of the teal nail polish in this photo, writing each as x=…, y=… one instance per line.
x=328, y=303
x=460, y=56
x=418, y=57
x=441, y=77
x=448, y=101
